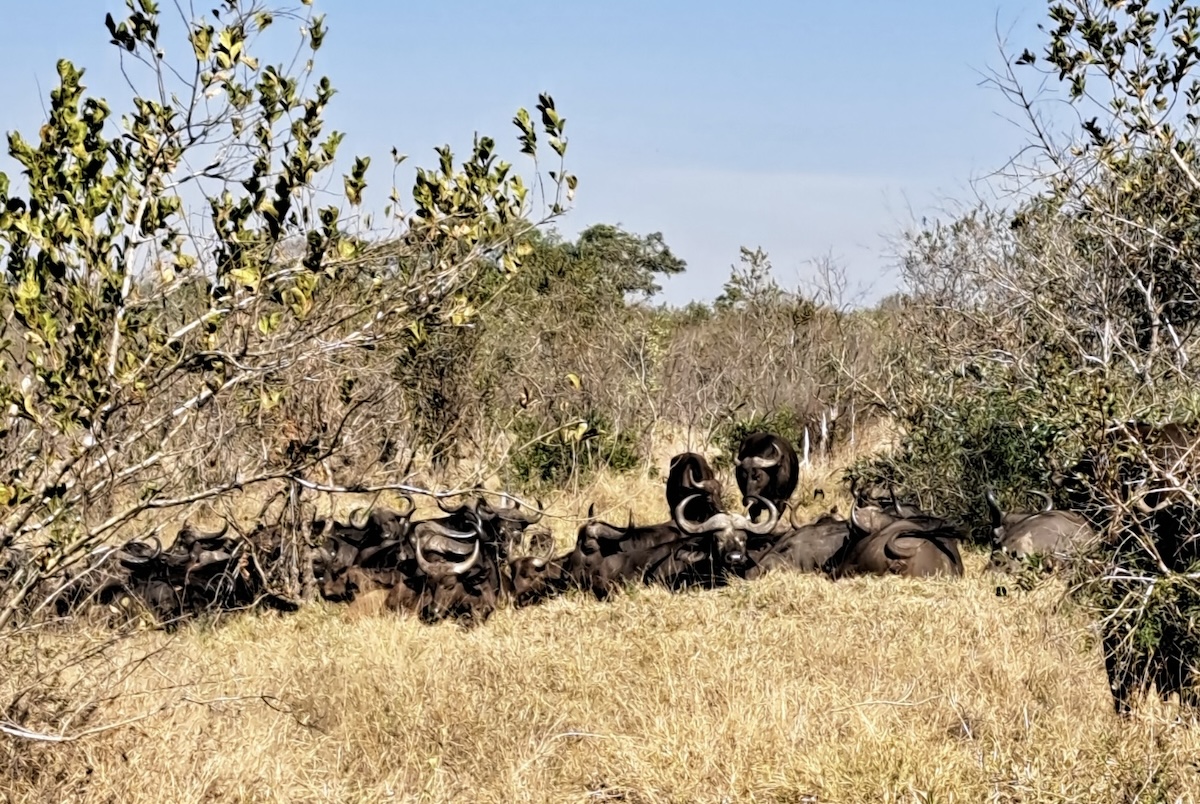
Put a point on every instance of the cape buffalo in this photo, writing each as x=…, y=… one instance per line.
x=729, y=530
x=1017, y=536
x=461, y=580
x=807, y=548
x=535, y=578
x=691, y=477
x=379, y=540
x=504, y=526
x=1136, y=488
x=767, y=468
x=678, y=554
x=883, y=544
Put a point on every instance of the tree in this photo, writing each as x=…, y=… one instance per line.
x=750, y=283
x=1040, y=332
x=154, y=356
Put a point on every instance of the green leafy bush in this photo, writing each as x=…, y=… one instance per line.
x=556, y=455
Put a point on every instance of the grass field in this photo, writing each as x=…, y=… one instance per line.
x=791, y=688
x=788, y=689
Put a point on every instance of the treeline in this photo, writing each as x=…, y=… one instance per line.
x=574, y=366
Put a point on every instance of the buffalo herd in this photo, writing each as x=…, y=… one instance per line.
x=464, y=563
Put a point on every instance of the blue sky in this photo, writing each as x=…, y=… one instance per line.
x=809, y=129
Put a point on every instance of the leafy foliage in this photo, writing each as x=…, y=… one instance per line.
x=155, y=357
x=571, y=452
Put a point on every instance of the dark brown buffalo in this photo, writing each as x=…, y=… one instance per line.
x=1169, y=665
x=505, y=527
x=729, y=531
x=607, y=557
x=1020, y=535
x=807, y=548
x=200, y=573
x=883, y=544
x=690, y=477
x=462, y=579
x=536, y=578
x=1136, y=486
x=1137, y=465
x=766, y=469
x=377, y=541
x=885, y=499
x=679, y=554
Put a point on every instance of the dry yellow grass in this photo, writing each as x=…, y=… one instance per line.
x=788, y=689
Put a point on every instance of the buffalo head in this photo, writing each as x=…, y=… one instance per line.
x=729, y=529
x=766, y=469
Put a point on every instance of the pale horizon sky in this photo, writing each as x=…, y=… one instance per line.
x=809, y=129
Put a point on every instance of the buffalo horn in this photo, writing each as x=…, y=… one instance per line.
x=759, y=528
x=765, y=463
x=441, y=532
x=541, y=561
x=901, y=509
x=1140, y=504
x=718, y=521
x=1049, y=506
x=457, y=568
x=994, y=507
x=855, y=521
x=366, y=516
x=441, y=503
x=207, y=558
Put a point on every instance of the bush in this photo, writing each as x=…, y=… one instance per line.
x=572, y=452
x=729, y=436
x=957, y=442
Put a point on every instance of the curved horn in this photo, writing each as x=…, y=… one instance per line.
x=792, y=517
x=457, y=568
x=994, y=506
x=854, y=520
x=1140, y=504
x=591, y=511
x=693, y=476
x=409, y=506
x=766, y=463
x=441, y=503
x=541, y=561
x=1049, y=506
x=444, y=530
x=158, y=548
x=767, y=525
x=715, y=522
x=482, y=509
x=515, y=513
x=366, y=516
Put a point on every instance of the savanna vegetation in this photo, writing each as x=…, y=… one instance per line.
x=195, y=330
